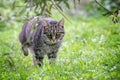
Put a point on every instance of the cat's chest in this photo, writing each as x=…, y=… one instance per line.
x=46, y=49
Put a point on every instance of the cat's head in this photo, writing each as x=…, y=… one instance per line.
x=53, y=30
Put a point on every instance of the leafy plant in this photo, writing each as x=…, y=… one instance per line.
x=112, y=8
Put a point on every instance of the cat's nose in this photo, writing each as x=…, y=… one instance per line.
x=53, y=38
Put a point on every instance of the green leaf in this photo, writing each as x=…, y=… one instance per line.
x=66, y=3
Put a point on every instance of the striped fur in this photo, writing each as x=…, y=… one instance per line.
x=46, y=40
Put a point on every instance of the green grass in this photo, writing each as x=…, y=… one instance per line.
x=90, y=51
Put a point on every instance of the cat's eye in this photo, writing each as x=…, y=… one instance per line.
x=48, y=35
x=45, y=32
x=58, y=35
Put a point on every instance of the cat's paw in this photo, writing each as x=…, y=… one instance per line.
x=26, y=54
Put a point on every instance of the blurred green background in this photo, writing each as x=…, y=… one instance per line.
x=91, y=47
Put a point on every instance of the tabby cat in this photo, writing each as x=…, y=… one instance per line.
x=46, y=39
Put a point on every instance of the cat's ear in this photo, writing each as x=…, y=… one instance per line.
x=61, y=22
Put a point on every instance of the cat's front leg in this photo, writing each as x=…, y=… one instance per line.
x=52, y=57
x=38, y=58
x=25, y=50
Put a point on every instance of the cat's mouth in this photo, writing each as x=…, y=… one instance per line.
x=50, y=40
x=53, y=40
